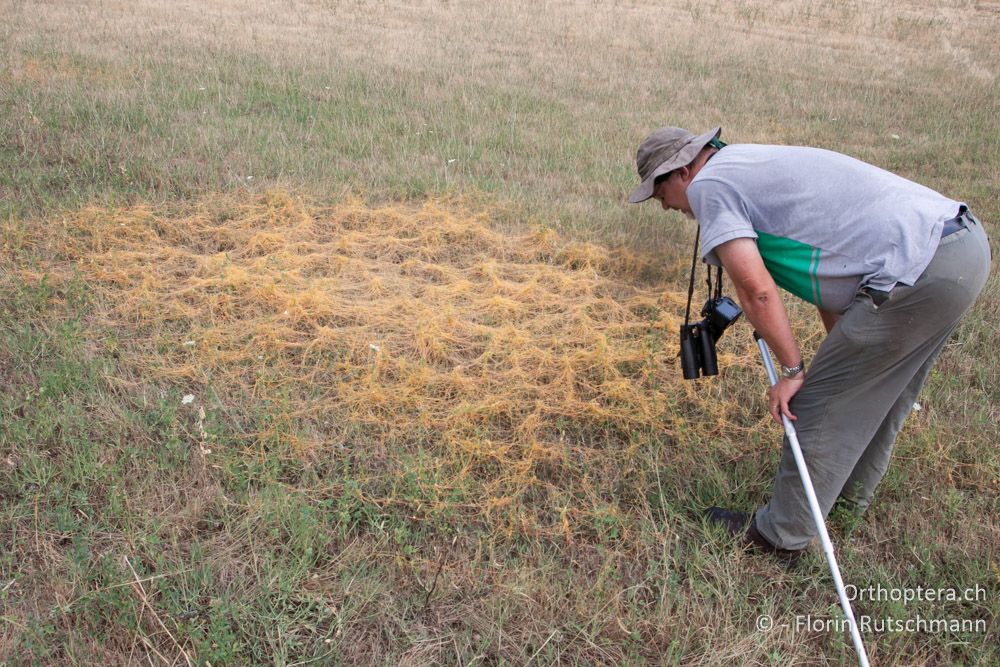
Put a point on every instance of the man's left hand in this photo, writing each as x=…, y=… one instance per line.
x=780, y=394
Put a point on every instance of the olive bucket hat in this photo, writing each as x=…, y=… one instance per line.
x=663, y=151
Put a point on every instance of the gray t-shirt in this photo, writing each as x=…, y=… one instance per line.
x=825, y=223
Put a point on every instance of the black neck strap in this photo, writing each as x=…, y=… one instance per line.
x=714, y=288
x=694, y=263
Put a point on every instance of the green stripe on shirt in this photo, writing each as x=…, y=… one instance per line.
x=792, y=264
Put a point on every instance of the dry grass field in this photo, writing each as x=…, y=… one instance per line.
x=327, y=336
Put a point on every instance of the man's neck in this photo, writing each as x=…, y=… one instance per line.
x=703, y=157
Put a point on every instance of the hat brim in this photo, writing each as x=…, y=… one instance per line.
x=680, y=159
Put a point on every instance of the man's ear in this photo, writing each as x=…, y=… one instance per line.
x=685, y=174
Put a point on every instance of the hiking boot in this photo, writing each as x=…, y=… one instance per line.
x=742, y=525
x=760, y=543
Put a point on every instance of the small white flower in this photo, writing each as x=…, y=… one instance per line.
x=189, y=343
x=917, y=407
x=249, y=178
x=452, y=161
x=201, y=87
x=373, y=347
x=188, y=399
x=894, y=136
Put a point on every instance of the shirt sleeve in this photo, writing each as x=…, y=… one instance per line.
x=721, y=213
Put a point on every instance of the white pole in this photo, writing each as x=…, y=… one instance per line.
x=824, y=536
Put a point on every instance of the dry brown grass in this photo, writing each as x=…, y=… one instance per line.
x=520, y=44
x=392, y=328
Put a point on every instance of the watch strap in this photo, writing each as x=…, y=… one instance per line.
x=792, y=371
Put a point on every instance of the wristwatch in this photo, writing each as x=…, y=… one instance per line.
x=792, y=371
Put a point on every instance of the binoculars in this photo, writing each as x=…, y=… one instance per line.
x=698, y=356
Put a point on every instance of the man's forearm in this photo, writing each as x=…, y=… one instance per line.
x=767, y=314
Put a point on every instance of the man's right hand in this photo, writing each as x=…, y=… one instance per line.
x=781, y=394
